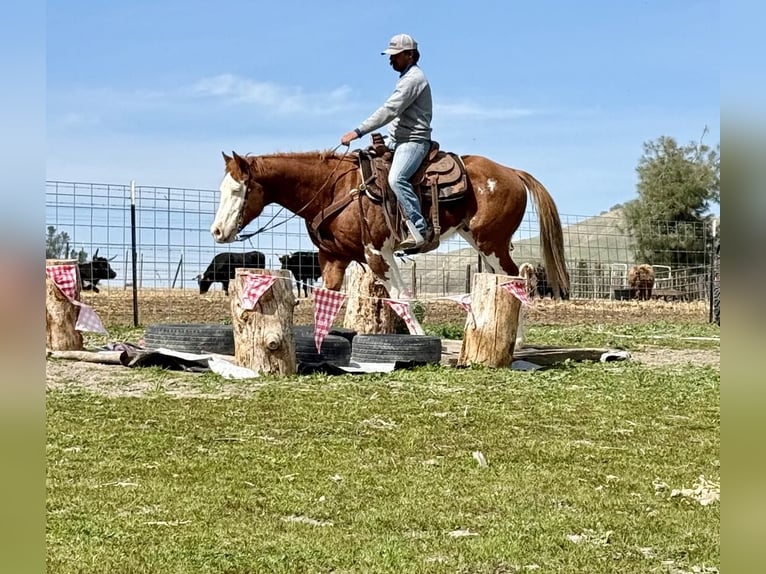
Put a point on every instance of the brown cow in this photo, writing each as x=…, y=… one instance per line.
x=641, y=282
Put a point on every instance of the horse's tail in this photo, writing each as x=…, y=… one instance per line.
x=551, y=235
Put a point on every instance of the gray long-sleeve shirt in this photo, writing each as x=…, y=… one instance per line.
x=409, y=109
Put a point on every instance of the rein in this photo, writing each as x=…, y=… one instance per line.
x=267, y=226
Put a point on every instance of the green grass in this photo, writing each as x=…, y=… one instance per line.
x=383, y=465
x=634, y=337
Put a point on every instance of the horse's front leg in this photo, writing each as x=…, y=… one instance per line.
x=333, y=271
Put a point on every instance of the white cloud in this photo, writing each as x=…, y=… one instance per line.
x=274, y=97
x=472, y=111
x=78, y=120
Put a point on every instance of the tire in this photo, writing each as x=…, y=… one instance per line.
x=336, y=350
x=191, y=337
x=213, y=338
x=308, y=330
x=390, y=348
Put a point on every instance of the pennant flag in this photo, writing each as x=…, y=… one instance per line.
x=402, y=308
x=65, y=278
x=255, y=286
x=463, y=300
x=327, y=303
x=517, y=288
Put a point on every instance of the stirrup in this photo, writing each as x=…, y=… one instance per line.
x=414, y=239
x=410, y=242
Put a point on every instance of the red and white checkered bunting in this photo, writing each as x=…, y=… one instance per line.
x=254, y=287
x=65, y=278
x=517, y=288
x=463, y=300
x=402, y=308
x=88, y=319
x=327, y=304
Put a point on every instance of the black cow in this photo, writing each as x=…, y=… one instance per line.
x=304, y=266
x=91, y=272
x=222, y=268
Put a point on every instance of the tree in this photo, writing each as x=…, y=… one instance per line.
x=676, y=185
x=57, y=246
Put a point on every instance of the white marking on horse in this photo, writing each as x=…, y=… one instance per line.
x=224, y=227
x=491, y=185
x=491, y=261
x=394, y=283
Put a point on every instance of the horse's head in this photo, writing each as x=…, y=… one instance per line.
x=241, y=199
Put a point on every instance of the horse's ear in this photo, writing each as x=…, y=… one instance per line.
x=244, y=167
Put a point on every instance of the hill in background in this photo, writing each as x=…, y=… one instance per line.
x=596, y=240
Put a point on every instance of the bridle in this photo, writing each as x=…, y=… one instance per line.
x=268, y=226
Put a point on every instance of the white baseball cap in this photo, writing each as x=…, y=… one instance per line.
x=400, y=43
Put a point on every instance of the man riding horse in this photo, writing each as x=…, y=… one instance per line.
x=409, y=110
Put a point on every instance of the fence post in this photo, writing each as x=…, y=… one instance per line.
x=61, y=313
x=133, y=247
x=490, y=329
x=263, y=336
x=178, y=268
x=468, y=278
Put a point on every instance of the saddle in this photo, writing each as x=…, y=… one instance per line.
x=440, y=178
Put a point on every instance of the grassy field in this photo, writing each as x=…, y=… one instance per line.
x=585, y=466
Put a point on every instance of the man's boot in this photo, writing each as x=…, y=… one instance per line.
x=413, y=240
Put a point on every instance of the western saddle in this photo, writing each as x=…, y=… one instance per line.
x=440, y=178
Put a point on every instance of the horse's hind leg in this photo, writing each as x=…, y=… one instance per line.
x=496, y=256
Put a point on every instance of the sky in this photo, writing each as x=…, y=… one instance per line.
x=154, y=91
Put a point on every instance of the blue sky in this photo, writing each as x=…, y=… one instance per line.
x=155, y=90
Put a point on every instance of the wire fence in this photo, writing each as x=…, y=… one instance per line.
x=174, y=244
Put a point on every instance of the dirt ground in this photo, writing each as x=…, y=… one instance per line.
x=115, y=380
x=115, y=307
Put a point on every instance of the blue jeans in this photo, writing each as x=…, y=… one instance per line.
x=407, y=159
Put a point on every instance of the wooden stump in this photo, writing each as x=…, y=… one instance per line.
x=61, y=314
x=490, y=331
x=366, y=313
x=263, y=336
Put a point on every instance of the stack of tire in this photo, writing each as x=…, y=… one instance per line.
x=215, y=338
x=339, y=347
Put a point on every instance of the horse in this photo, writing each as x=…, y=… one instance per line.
x=312, y=185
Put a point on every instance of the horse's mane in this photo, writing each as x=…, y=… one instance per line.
x=317, y=154
x=321, y=156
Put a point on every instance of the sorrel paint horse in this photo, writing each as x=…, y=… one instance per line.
x=308, y=183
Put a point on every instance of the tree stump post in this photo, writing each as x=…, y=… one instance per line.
x=263, y=336
x=490, y=330
x=61, y=314
x=366, y=313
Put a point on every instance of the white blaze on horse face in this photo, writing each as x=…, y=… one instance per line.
x=224, y=228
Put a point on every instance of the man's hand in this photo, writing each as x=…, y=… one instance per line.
x=348, y=138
